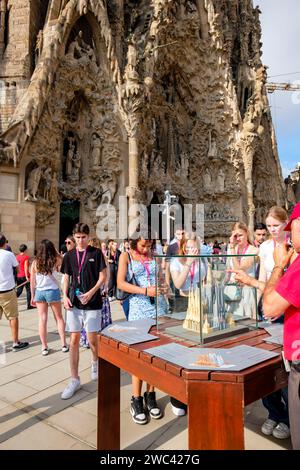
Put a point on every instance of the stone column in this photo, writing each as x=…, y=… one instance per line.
x=249, y=149
x=3, y=9
x=133, y=183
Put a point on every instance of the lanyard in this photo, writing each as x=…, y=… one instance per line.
x=80, y=264
x=192, y=273
x=145, y=264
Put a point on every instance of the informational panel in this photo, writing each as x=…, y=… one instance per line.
x=9, y=187
x=233, y=359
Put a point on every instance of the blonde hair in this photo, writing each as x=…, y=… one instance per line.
x=95, y=242
x=183, y=243
x=278, y=213
x=244, y=227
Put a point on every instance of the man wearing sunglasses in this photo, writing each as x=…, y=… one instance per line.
x=85, y=272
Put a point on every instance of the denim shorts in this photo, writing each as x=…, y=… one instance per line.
x=48, y=296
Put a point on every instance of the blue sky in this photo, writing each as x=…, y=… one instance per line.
x=281, y=53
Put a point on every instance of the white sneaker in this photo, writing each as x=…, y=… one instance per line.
x=94, y=370
x=70, y=389
x=268, y=427
x=178, y=411
x=45, y=352
x=281, y=431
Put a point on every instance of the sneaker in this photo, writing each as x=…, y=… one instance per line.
x=45, y=352
x=137, y=410
x=94, y=370
x=20, y=345
x=65, y=349
x=281, y=431
x=178, y=411
x=268, y=427
x=151, y=405
x=70, y=389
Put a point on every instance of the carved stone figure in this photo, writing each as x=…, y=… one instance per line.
x=76, y=167
x=96, y=149
x=221, y=181
x=47, y=180
x=212, y=151
x=53, y=192
x=70, y=158
x=131, y=76
x=38, y=45
x=79, y=48
x=33, y=183
x=207, y=180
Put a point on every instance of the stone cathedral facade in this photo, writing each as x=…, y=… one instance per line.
x=108, y=98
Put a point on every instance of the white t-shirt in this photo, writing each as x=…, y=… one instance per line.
x=176, y=265
x=8, y=261
x=266, y=251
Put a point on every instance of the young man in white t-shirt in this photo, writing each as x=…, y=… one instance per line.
x=8, y=296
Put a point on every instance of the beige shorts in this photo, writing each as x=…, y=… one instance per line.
x=9, y=305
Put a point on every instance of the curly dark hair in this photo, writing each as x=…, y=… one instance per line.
x=46, y=257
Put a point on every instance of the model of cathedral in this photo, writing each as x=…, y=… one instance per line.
x=195, y=314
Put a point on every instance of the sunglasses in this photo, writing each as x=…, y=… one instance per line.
x=68, y=243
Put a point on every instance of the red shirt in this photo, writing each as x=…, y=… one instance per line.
x=21, y=260
x=289, y=288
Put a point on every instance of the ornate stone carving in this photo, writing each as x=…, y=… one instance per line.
x=96, y=149
x=34, y=178
x=162, y=88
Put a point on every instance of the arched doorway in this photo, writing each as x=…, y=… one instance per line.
x=69, y=216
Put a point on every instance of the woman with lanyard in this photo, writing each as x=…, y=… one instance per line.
x=186, y=273
x=139, y=261
x=277, y=423
x=240, y=244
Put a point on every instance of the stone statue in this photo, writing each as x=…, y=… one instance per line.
x=39, y=45
x=33, y=183
x=108, y=188
x=47, y=177
x=207, y=180
x=212, y=151
x=221, y=181
x=184, y=165
x=131, y=77
x=53, y=192
x=79, y=48
x=96, y=147
x=76, y=166
x=70, y=156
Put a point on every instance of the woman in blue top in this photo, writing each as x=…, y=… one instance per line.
x=140, y=262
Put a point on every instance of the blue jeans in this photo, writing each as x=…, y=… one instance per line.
x=277, y=406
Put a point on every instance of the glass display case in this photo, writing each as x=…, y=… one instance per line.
x=199, y=300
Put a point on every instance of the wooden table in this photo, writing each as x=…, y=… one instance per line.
x=215, y=400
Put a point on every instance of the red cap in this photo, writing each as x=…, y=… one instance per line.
x=295, y=214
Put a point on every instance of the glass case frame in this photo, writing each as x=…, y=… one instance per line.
x=200, y=295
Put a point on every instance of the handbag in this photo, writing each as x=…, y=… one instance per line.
x=121, y=294
x=232, y=293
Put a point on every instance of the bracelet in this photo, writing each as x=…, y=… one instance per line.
x=146, y=292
